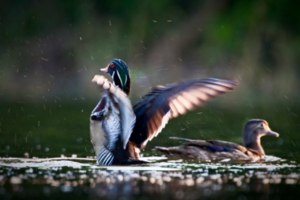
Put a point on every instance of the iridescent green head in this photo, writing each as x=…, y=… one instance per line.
x=118, y=70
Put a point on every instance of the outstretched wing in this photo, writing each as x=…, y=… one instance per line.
x=121, y=100
x=155, y=109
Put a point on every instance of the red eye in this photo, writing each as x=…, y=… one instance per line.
x=112, y=65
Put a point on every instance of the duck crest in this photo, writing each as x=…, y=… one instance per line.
x=118, y=70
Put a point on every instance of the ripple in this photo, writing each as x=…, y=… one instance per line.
x=70, y=174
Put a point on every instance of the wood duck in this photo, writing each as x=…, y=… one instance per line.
x=217, y=150
x=119, y=131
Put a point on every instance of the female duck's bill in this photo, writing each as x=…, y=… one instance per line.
x=217, y=150
x=125, y=130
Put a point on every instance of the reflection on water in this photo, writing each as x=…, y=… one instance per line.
x=79, y=177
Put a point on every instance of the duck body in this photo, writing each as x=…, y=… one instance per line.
x=119, y=131
x=111, y=124
x=106, y=144
x=217, y=150
x=210, y=150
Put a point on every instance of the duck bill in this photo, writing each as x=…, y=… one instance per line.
x=273, y=133
x=105, y=69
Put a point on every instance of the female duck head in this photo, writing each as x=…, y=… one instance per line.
x=118, y=70
x=254, y=129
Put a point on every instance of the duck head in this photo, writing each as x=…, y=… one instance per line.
x=254, y=129
x=118, y=70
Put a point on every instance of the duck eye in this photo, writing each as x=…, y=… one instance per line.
x=112, y=65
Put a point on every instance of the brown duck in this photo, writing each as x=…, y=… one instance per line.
x=217, y=150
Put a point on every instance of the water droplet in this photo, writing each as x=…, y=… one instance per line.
x=38, y=147
x=26, y=155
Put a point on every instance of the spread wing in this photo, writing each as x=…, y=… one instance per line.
x=122, y=102
x=163, y=103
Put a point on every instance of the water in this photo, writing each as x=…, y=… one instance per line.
x=79, y=177
x=46, y=153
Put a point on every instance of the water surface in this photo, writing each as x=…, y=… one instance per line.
x=176, y=179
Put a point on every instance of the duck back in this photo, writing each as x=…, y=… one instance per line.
x=208, y=150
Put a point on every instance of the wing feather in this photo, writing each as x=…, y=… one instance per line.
x=213, y=145
x=155, y=109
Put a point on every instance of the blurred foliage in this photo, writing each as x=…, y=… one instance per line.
x=51, y=49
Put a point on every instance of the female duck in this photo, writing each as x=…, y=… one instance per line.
x=119, y=131
x=217, y=150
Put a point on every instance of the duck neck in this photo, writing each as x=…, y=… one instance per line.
x=253, y=142
x=124, y=83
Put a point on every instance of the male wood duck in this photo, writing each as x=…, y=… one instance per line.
x=119, y=131
x=217, y=150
